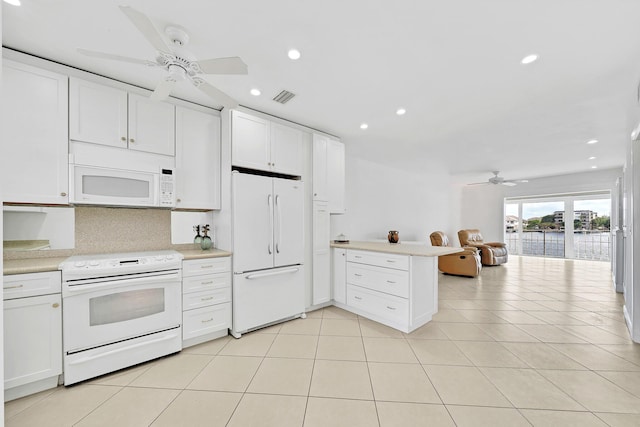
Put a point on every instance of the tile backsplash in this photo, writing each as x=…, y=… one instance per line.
x=108, y=230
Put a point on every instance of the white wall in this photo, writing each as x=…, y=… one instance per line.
x=483, y=206
x=380, y=198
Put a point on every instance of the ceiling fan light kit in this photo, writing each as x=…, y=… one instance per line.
x=498, y=180
x=180, y=64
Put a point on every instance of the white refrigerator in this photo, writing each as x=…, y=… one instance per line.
x=268, y=251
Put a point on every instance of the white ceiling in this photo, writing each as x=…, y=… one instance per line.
x=453, y=64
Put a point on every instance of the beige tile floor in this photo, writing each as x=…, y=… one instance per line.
x=537, y=342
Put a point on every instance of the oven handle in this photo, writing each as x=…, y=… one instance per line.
x=113, y=284
x=271, y=273
x=120, y=350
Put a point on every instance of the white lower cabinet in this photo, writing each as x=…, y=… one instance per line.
x=206, y=299
x=400, y=291
x=32, y=333
x=321, y=254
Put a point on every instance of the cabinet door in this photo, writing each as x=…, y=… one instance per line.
x=321, y=254
x=250, y=147
x=197, y=160
x=320, y=190
x=286, y=149
x=151, y=125
x=339, y=275
x=32, y=339
x=34, y=159
x=335, y=176
x=97, y=113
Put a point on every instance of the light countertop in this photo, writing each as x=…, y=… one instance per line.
x=398, y=248
x=39, y=265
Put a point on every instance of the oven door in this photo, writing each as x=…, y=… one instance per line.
x=97, y=314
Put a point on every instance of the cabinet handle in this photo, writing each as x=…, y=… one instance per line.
x=178, y=200
x=207, y=283
x=14, y=287
x=390, y=260
x=206, y=299
x=206, y=266
x=55, y=305
x=358, y=256
x=358, y=298
x=357, y=275
x=207, y=321
x=132, y=140
x=391, y=308
x=391, y=281
x=63, y=194
x=122, y=138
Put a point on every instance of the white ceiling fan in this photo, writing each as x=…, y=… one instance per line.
x=497, y=180
x=180, y=63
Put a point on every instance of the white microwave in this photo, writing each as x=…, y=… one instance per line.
x=117, y=187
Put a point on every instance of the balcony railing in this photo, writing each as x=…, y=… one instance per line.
x=587, y=244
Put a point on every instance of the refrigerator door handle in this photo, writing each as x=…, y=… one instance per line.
x=278, y=224
x=272, y=273
x=269, y=202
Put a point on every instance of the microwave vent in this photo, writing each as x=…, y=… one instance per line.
x=284, y=97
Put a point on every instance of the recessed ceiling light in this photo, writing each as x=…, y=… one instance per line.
x=592, y=141
x=13, y=2
x=594, y=167
x=364, y=126
x=529, y=59
x=294, y=54
x=400, y=111
x=592, y=158
x=255, y=92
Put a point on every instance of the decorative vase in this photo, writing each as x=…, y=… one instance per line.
x=198, y=239
x=206, y=242
x=393, y=237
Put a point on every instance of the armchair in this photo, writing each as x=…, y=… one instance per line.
x=492, y=253
x=466, y=263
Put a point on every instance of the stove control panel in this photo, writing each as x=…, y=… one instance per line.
x=128, y=261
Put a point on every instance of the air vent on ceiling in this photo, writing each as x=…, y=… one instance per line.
x=284, y=97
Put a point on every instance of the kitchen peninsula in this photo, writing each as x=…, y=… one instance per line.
x=393, y=284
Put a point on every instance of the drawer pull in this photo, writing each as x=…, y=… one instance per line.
x=391, y=308
x=210, y=282
x=207, y=321
x=358, y=256
x=206, y=266
x=390, y=260
x=357, y=275
x=391, y=281
x=14, y=287
x=206, y=299
x=55, y=305
x=357, y=297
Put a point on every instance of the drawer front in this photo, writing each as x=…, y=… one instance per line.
x=32, y=284
x=205, y=283
x=205, y=298
x=386, y=306
x=380, y=259
x=387, y=280
x=195, y=267
x=206, y=320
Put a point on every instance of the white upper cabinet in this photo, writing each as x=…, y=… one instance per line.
x=320, y=185
x=263, y=145
x=110, y=116
x=151, y=125
x=286, y=149
x=34, y=159
x=335, y=175
x=97, y=113
x=197, y=159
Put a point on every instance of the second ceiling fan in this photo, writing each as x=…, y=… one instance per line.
x=180, y=64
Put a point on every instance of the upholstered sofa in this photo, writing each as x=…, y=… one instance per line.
x=466, y=263
x=491, y=253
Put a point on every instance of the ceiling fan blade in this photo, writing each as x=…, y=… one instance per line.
x=216, y=94
x=479, y=183
x=103, y=55
x=232, y=65
x=508, y=183
x=145, y=26
x=163, y=90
